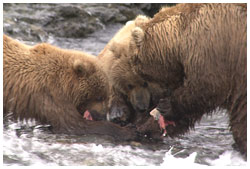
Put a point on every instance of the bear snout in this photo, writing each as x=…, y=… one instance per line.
x=141, y=101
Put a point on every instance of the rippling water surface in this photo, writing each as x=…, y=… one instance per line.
x=209, y=144
x=29, y=144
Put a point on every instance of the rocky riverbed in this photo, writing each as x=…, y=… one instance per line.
x=36, y=22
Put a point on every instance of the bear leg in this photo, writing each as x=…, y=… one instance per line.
x=238, y=124
x=64, y=118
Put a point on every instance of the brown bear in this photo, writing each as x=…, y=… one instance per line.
x=199, y=52
x=55, y=86
x=130, y=95
x=126, y=88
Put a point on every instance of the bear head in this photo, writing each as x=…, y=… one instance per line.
x=76, y=75
x=115, y=59
x=115, y=62
x=91, y=89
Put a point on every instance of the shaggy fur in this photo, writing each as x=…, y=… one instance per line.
x=198, y=51
x=129, y=92
x=55, y=86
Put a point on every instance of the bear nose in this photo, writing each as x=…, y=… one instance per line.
x=141, y=106
x=142, y=103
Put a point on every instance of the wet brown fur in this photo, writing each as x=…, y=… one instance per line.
x=199, y=52
x=54, y=86
x=129, y=92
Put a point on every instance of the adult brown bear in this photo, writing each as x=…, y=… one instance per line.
x=199, y=51
x=54, y=86
x=130, y=94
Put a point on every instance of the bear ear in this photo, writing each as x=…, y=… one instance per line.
x=141, y=20
x=83, y=68
x=138, y=36
x=115, y=49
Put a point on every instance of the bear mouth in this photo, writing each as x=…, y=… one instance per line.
x=89, y=114
x=96, y=116
x=84, y=112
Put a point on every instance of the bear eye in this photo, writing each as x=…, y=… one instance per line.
x=130, y=87
x=145, y=84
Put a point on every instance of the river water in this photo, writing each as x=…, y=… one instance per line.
x=209, y=144
x=26, y=143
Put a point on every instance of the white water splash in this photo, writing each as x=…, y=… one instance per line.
x=169, y=160
x=228, y=158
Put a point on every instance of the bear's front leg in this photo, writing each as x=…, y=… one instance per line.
x=184, y=107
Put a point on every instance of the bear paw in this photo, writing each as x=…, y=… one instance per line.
x=165, y=108
x=118, y=114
